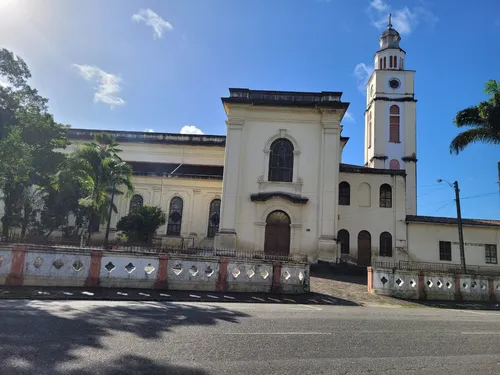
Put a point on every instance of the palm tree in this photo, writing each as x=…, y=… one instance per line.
x=484, y=120
x=102, y=173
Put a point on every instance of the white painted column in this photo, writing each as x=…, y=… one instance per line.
x=329, y=185
x=230, y=186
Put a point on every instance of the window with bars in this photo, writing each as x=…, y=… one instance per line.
x=445, y=250
x=385, y=244
x=135, y=202
x=344, y=193
x=394, y=124
x=491, y=254
x=343, y=239
x=281, y=161
x=213, y=218
x=386, y=196
x=175, y=216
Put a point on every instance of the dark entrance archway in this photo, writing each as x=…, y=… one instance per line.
x=277, y=239
x=364, y=248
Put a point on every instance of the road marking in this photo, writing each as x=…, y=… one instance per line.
x=312, y=307
x=211, y=296
x=259, y=299
x=289, y=300
x=164, y=295
x=194, y=296
x=277, y=333
x=480, y=333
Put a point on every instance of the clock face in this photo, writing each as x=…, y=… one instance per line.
x=394, y=83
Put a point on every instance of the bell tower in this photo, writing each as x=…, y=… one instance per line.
x=390, y=116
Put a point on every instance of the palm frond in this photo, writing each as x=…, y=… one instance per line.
x=470, y=136
x=469, y=117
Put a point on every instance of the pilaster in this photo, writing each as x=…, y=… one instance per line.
x=229, y=203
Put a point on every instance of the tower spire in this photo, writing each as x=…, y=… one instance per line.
x=389, y=23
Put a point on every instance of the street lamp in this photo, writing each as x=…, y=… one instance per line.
x=459, y=221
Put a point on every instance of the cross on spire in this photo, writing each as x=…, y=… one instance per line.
x=389, y=24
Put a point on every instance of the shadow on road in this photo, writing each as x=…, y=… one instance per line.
x=39, y=337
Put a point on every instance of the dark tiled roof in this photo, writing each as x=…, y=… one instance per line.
x=349, y=168
x=451, y=220
x=324, y=99
x=177, y=170
x=148, y=137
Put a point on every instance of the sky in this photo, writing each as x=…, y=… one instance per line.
x=163, y=65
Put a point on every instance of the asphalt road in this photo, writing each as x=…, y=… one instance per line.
x=118, y=337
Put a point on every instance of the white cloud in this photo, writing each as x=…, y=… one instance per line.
x=362, y=73
x=152, y=19
x=348, y=117
x=190, y=129
x=404, y=19
x=379, y=5
x=108, y=85
x=4, y=82
x=149, y=130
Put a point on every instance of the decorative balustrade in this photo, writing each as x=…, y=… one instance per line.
x=62, y=266
x=433, y=284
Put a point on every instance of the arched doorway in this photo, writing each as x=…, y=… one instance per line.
x=277, y=240
x=364, y=248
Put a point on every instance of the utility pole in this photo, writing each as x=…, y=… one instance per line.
x=460, y=228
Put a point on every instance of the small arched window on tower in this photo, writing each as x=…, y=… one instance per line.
x=395, y=62
x=380, y=63
x=390, y=62
x=394, y=124
x=370, y=129
x=394, y=164
x=385, y=63
x=281, y=160
x=385, y=196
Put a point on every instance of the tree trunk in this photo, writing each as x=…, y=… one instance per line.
x=109, y=219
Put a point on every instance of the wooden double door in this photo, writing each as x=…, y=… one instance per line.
x=277, y=237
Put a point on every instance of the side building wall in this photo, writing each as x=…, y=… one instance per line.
x=424, y=238
x=363, y=213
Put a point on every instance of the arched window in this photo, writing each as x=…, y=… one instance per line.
x=344, y=193
x=175, y=216
x=385, y=62
x=281, y=160
x=370, y=129
x=385, y=244
x=380, y=63
x=390, y=61
x=386, y=196
x=135, y=202
x=394, y=124
x=395, y=62
x=394, y=164
x=343, y=239
x=364, y=195
x=213, y=218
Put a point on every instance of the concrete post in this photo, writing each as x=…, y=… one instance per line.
x=15, y=276
x=162, y=278
x=458, y=292
x=370, y=279
x=222, y=285
x=276, y=286
x=94, y=269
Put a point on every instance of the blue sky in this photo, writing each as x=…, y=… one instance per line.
x=168, y=66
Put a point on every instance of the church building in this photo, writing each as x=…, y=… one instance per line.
x=277, y=181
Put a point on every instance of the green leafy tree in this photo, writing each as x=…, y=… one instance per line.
x=141, y=224
x=484, y=120
x=29, y=143
x=102, y=174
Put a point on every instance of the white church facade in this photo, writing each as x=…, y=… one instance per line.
x=277, y=181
